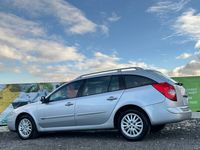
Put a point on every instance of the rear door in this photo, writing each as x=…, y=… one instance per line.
x=99, y=97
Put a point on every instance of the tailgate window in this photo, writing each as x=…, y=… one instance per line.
x=132, y=81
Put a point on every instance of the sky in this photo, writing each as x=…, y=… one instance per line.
x=58, y=40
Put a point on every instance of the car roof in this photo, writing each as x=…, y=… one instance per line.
x=149, y=73
x=110, y=72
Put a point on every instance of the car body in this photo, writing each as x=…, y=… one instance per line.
x=107, y=100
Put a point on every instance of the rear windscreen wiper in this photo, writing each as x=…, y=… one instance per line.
x=179, y=83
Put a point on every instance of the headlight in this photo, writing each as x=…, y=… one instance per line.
x=11, y=113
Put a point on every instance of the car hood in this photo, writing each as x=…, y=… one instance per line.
x=27, y=107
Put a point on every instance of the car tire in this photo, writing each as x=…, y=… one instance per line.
x=157, y=128
x=134, y=125
x=26, y=128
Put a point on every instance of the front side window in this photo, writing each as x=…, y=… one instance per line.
x=96, y=86
x=132, y=81
x=66, y=92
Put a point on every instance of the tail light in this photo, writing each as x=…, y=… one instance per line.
x=166, y=89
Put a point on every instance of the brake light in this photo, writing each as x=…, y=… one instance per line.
x=166, y=89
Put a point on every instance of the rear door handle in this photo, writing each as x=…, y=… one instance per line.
x=112, y=98
x=69, y=104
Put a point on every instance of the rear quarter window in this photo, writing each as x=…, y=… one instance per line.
x=165, y=77
x=132, y=81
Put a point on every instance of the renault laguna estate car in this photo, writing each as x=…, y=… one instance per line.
x=133, y=100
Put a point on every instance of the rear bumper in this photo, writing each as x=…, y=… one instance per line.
x=180, y=113
x=159, y=114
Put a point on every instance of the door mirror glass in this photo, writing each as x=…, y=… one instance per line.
x=44, y=100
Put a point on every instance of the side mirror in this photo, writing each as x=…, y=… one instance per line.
x=44, y=100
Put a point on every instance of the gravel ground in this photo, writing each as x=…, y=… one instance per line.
x=184, y=135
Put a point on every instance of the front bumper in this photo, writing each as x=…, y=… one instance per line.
x=11, y=122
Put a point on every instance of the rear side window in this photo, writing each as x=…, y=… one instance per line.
x=132, y=81
x=96, y=86
x=114, y=84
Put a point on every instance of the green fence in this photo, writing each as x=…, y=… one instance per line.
x=192, y=85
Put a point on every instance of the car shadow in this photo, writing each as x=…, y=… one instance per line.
x=91, y=134
x=115, y=135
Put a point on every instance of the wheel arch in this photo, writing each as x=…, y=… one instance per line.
x=126, y=107
x=22, y=114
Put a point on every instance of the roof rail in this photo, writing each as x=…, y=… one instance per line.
x=108, y=71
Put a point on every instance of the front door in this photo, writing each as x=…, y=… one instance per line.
x=59, y=111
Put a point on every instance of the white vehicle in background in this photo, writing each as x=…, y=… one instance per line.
x=133, y=100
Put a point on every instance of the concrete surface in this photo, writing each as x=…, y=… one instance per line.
x=183, y=135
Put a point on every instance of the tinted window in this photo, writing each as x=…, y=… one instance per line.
x=68, y=91
x=164, y=76
x=132, y=81
x=96, y=86
x=114, y=83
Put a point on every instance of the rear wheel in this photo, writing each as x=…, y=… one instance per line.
x=157, y=128
x=26, y=127
x=133, y=125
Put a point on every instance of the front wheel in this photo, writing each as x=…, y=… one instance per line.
x=26, y=127
x=133, y=125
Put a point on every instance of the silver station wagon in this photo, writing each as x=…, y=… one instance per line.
x=133, y=100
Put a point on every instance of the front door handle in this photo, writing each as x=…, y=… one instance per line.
x=112, y=98
x=69, y=104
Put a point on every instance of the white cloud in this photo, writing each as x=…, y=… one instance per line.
x=28, y=44
x=167, y=6
x=102, y=61
x=18, y=43
x=188, y=24
x=197, y=54
x=114, y=17
x=17, y=70
x=9, y=53
x=197, y=45
x=104, y=29
x=98, y=62
x=190, y=69
x=184, y=56
x=70, y=17
x=53, y=73
x=20, y=26
x=1, y=66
